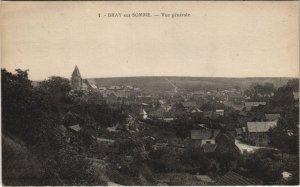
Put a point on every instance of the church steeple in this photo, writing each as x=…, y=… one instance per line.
x=76, y=80
x=76, y=72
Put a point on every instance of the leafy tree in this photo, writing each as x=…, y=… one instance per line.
x=181, y=127
x=294, y=84
x=73, y=169
x=56, y=85
x=258, y=92
x=283, y=97
x=268, y=88
x=283, y=138
x=225, y=160
x=285, y=135
x=197, y=159
x=54, y=91
x=178, y=109
x=21, y=113
x=261, y=167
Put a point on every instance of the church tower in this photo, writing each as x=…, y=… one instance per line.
x=76, y=80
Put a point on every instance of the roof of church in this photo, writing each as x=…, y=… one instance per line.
x=76, y=72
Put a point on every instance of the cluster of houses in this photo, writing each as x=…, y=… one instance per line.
x=113, y=94
x=168, y=109
x=255, y=129
x=211, y=140
x=206, y=139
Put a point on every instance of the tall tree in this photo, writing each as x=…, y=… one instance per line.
x=294, y=84
x=20, y=111
x=283, y=97
x=283, y=137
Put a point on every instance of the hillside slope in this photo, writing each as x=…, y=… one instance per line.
x=19, y=165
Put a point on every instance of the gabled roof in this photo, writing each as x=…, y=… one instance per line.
x=129, y=87
x=194, y=110
x=93, y=86
x=233, y=179
x=200, y=134
x=84, y=86
x=263, y=126
x=92, y=83
x=115, y=88
x=75, y=128
x=189, y=104
x=272, y=117
x=76, y=72
x=204, y=134
x=69, y=115
x=112, y=94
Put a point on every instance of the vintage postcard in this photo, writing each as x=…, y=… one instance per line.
x=150, y=93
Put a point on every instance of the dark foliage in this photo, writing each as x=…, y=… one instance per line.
x=34, y=115
x=294, y=84
x=261, y=165
x=258, y=92
x=284, y=138
x=21, y=114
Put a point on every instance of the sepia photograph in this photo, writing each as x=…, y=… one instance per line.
x=149, y=93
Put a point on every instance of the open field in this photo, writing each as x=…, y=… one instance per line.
x=188, y=83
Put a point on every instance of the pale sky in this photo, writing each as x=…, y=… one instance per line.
x=220, y=39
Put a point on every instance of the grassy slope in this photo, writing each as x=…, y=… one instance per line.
x=19, y=165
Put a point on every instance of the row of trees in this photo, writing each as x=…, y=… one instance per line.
x=258, y=92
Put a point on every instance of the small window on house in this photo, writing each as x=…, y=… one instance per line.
x=208, y=142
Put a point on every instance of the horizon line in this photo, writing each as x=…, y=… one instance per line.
x=150, y=76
